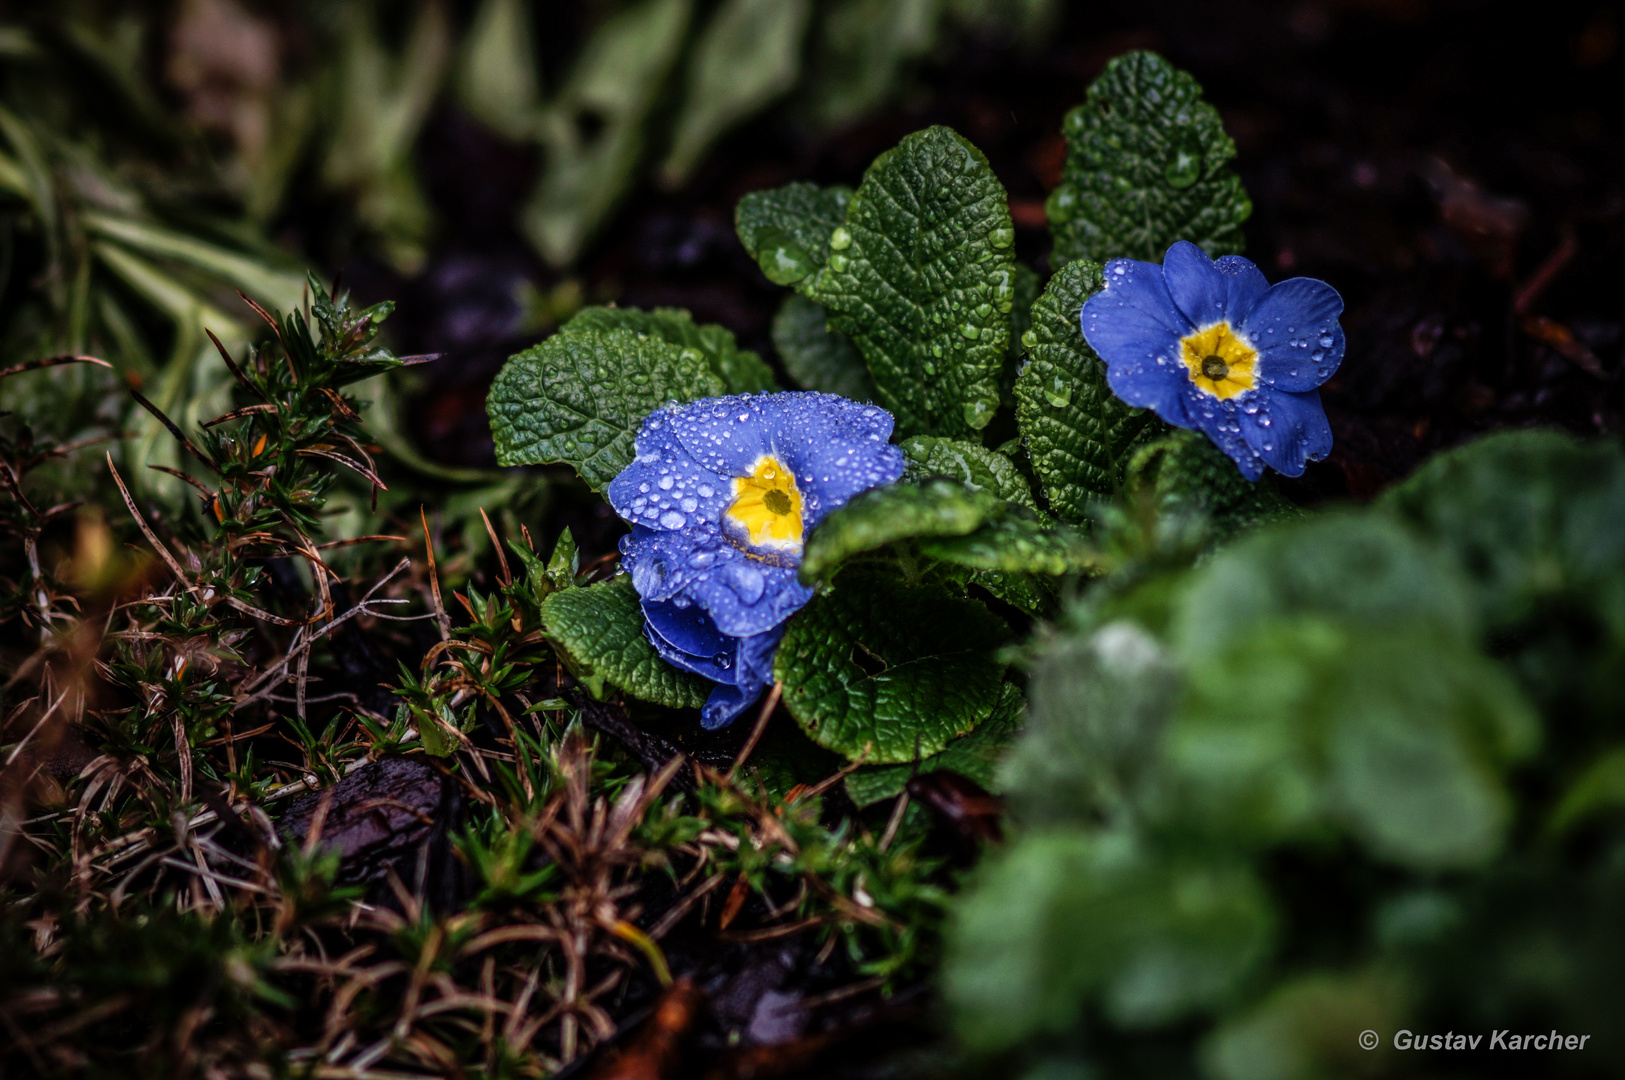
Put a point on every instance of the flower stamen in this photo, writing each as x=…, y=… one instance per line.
x=764, y=519
x=1220, y=361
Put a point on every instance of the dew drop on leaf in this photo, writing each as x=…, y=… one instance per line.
x=1184, y=166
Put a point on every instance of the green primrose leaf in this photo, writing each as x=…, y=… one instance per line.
x=920, y=276
x=889, y=673
x=740, y=370
x=579, y=398
x=974, y=466
x=1064, y=917
x=1185, y=474
x=1147, y=164
x=817, y=357
x=884, y=515
x=1078, y=434
x=1028, y=286
x=1301, y=1028
x=787, y=229
x=975, y=755
x=1014, y=540
x=600, y=631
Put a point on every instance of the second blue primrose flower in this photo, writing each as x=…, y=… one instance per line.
x=1212, y=345
x=720, y=497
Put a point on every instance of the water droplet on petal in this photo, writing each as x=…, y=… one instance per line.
x=671, y=519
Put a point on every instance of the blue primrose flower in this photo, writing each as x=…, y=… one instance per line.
x=1211, y=345
x=720, y=498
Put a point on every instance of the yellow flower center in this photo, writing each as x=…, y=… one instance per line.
x=1220, y=362
x=767, y=507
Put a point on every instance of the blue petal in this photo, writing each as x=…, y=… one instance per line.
x=743, y=596
x=1135, y=327
x=1197, y=288
x=665, y=488
x=1244, y=285
x=753, y=671
x=1294, y=328
x=835, y=448
x=726, y=434
x=688, y=639
x=1225, y=423
x=1288, y=430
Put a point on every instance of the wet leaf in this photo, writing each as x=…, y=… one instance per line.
x=600, y=630
x=882, y=516
x=975, y=755
x=1183, y=473
x=739, y=370
x=817, y=357
x=1147, y=164
x=887, y=672
x=920, y=276
x=787, y=229
x=579, y=398
x=977, y=467
x=1078, y=434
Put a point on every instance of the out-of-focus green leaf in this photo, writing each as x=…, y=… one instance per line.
x=739, y=370
x=817, y=357
x=1099, y=707
x=887, y=672
x=787, y=229
x=579, y=398
x=600, y=629
x=862, y=50
x=1600, y=788
x=748, y=54
x=593, y=130
x=1353, y=566
x=379, y=102
x=920, y=277
x=1398, y=734
x=282, y=290
x=497, y=74
x=1307, y=1028
x=975, y=755
x=1531, y=516
x=1065, y=917
x=1148, y=163
x=1078, y=434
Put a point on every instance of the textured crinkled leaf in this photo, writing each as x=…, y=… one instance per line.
x=887, y=672
x=1184, y=473
x=740, y=370
x=1033, y=593
x=817, y=357
x=600, y=628
x=1063, y=918
x=921, y=277
x=579, y=398
x=1078, y=434
x=1147, y=164
x=787, y=229
x=1015, y=540
x=972, y=465
x=1028, y=287
x=975, y=755
x=884, y=515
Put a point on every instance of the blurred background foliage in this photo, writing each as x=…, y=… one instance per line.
x=155, y=157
